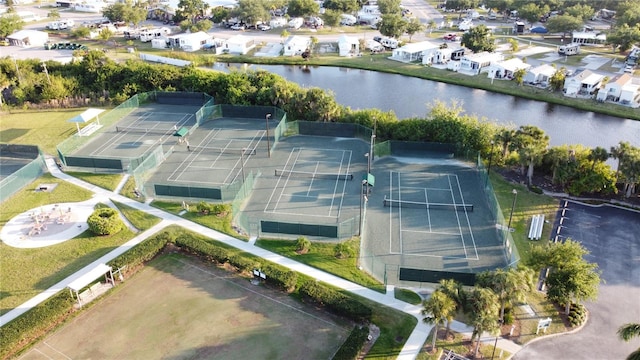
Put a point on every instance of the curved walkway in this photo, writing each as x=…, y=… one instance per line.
x=410, y=350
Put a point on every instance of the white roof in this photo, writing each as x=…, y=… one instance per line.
x=87, y=115
x=513, y=64
x=238, y=39
x=200, y=35
x=418, y=47
x=23, y=34
x=544, y=69
x=592, y=79
x=298, y=40
x=484, y=56
x=89, y=277
x=348, y=39
x=589, y=35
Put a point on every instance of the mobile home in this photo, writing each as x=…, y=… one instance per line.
x=571, y=49
x=150, y=34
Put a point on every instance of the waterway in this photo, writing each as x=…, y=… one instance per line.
x=409, y=97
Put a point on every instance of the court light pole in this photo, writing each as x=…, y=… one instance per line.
x=268, y=141
x=489, y=168
x=242, y=169
x=364, y=182
x=372, y=142
x=513, y=205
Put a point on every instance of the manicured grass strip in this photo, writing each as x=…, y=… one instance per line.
x=35, y=127
x=128, y=190
x=105, y=181
x=460, y=347
x=395, y=328
x=527, y=205
x=322, y=256
x=407, y=296
x=140, y=219
x=215, y=222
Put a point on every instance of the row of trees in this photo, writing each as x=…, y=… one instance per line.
x=571, y=280
x=578, y=170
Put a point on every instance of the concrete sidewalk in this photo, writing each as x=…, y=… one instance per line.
x=410, y=350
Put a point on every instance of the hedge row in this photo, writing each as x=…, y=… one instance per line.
x=34, y=324
x=335, y=301
x=203, y=248
x=354, y=343
x=142, y=252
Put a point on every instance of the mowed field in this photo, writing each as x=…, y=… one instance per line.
x=181, y=308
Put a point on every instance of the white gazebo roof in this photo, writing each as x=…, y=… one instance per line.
x=89, y=277
x=86, y=116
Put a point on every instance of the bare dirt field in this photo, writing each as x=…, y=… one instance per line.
x=179, y=308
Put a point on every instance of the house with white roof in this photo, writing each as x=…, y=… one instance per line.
x=475, y=63
x=28, y=38
x=588, y=38
x=239, y=44
x=583, y=83
x=540, y=74
x=630, y=94
x=348, y=46
x=414, y=51
x=190, y=41
x=506, y=69
x=296, y=45
x=613, y=89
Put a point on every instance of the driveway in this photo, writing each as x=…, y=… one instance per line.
x=612, y=235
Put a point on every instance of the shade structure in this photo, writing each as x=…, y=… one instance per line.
x=88, y=277
x=86, y=116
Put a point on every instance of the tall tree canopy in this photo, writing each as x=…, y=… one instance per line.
x=479, y=39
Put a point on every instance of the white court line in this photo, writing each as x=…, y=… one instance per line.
x=430, y=232
x=390, y=212
x=41, y=353
x=275, y=188
x=245, y=157
x=344, y=186
x=428, y=212
x=400, y=209
x=187, y=161
x=115, y=138
x=453, y=200
x=275, y=208
x=337, y=182
x=466, y=214
x=299, y=214
x=56, y=350
x=315, y=171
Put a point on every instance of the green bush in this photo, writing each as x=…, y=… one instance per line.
x=142, y=252
x=203, y=248
x=243, y=263
x=33, y=324
x=215, y=209
x=535, y=189
x=105, y=221
x=303, y=245
x=508, y=317
x=577, y=315
x=280, y=277
x=354, y=343
x=335, y=301
x=343, y=251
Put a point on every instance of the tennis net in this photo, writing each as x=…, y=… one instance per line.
x=314, y=175
x=145, y=130
x=221, y=150
x=427, y=206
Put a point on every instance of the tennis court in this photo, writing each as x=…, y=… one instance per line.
x=429, y=216
x=185, y=309
x=139, y=131
x=312, y=182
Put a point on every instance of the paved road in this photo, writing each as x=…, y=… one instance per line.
x=613, y=237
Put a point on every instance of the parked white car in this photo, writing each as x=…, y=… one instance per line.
x=374, y=46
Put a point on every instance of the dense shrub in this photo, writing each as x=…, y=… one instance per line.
x=34, y=323
x=244, y=263
x=142, y=252
x=577, y=315
x=215, y=209
x=343, y=251
x=335, y=301
x=203, y=248
x=354, y=343
x=280, y=277
x=535, y=189
x=509, y=318
x=303, y=245
x=105, y=221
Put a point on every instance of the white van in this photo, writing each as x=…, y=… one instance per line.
x=571, y=49
x=389, y=43
x=348, y=20
x=296, y=23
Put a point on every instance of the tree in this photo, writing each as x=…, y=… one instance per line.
x=579, y=11
x=556, y=82
x=479, y=39
x=413, y=26
x=513, y=43
x=518, y=76
x=251, y=11
x=392, y=25
x=436, y=310
x=54, y=14
x=343, y=6
x=510, y=286
x=482, y=308
x=598, y=154
x=105, y=34
x=9, y=24
x=191, y=9
x=331, y=18
x=628, y=12
x=571, y=277
x=504, y=138
x=126, y=12
x=531, y=143
x=630, y=171
x=532, y=12
x=623, y=37
x=219, y=13
x=627, y=332
x=564, y=24
x=302, y=8
x=389, y=6
x=453, y=290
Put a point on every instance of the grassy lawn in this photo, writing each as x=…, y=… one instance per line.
x=140, y=219
x=128, y=188
x=105, y=181
x=27, y=272
x=322, y=256
x=527, y=205
x=218, y=223
x=43, y=128
x=407, y=295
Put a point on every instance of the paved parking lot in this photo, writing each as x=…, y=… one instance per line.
x=612, y=235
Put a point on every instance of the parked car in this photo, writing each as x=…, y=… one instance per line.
x=237, y=27
x=452, y=37
x=264, y=27
x=4, y=42
x=629, y=69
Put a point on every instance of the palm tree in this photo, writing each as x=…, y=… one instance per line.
x=455, y=292
x=510, y=286
x=438, y=308
x=628, y=331
x=482, y=308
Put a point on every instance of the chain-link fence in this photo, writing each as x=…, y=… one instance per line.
x=26, y=173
